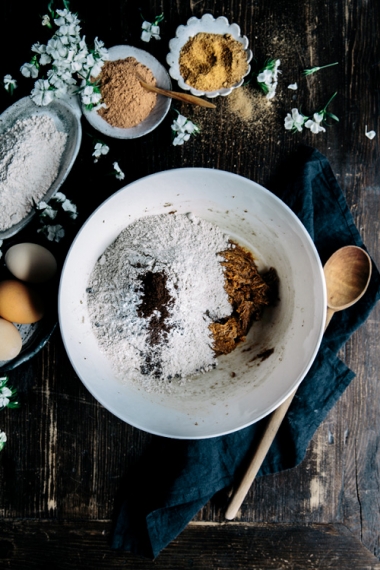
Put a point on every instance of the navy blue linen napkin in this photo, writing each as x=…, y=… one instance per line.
x=177, y=478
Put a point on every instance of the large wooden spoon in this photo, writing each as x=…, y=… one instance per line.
x=347, y=273
x=184, y=97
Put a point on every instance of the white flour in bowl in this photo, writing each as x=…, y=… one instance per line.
x=177, y=254
x=30, y=155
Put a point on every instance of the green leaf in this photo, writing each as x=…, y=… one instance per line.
x=332, y=116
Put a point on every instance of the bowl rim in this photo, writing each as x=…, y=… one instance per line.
x=194, y=25
x=123, y=51
x=317, y=335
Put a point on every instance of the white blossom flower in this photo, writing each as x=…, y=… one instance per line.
x=43, y=93
x=9, y=83
x=184, y=129
x=3, y=439
x=47, y=211
x=265, y=77
x=90, y=95
x=53, y=233
x=96, y=68
x=5, y=394
x=45, y=59
x=268, y=78
x=71, y=208
x=315, y=126
x=293, y=86
x=295, y=121
x=99, y=49
x=29, y=70
x=99, y=149
x=38, y=48
x=369, y=134
x=59, y=197
x=46, y=21
x=119, y=173
x=3, y=401
x=150, y=31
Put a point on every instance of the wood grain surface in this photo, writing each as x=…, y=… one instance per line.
x=67, y=458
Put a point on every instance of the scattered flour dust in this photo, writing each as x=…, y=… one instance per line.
x=185, y=250
x=30, y=155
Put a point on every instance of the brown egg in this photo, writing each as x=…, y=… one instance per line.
x=10, y=340
x=31, y=262
x=19, y=303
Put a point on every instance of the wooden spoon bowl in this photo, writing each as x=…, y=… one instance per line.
x=347, y=273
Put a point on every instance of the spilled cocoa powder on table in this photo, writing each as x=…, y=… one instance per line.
x=127, y=102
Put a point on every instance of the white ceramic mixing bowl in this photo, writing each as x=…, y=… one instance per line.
x=217, y=402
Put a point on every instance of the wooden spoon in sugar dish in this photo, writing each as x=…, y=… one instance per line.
x=184, y=97
x=347, y=274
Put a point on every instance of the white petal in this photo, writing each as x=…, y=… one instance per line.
x=288, y=123
x=293, y=86
x=314, y=128
x=145, y=36
x=370, y=134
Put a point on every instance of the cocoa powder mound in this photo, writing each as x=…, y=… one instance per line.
x=127, y=103
x=156, y=300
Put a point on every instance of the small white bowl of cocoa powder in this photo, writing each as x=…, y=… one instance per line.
x=130, y=111
x=209, y=56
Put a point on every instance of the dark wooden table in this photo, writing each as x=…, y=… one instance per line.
x=67, y=457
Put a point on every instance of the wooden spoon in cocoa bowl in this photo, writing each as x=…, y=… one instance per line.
x=184, y=97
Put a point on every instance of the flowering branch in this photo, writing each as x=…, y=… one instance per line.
x=69, y=58
x=296, y=121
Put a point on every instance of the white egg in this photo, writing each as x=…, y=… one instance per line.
x=10, y=340
x=31, y=262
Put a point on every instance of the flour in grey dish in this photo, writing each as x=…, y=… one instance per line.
x=186, y=249
x=30, y=155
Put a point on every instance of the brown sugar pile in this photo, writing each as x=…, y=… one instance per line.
x=212, y=61
x=127, y=103
x=248, y=292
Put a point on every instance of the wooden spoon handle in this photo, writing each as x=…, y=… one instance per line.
x=262, y=449
x=272, y=427
x=184, y=97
